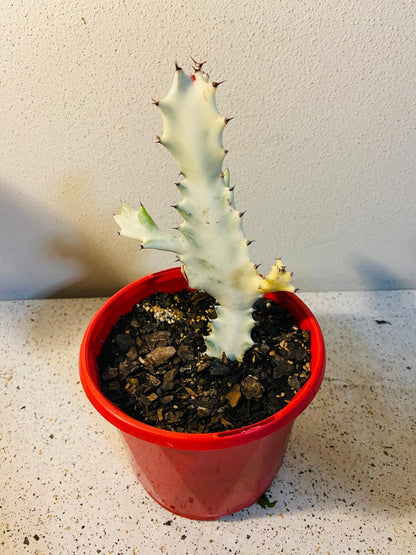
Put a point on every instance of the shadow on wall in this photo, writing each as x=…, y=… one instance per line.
x=376, y=276
x=25, y=229
x=98, y=275
x=42, y=256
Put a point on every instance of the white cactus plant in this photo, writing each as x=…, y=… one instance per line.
x=211, y=243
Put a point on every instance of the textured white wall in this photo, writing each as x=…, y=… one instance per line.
x=322, y=148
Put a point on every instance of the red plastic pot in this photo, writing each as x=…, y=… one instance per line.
x=199, y=476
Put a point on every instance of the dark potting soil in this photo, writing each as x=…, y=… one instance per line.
x=153, y=365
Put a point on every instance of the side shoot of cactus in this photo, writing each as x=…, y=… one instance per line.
x=211, y=244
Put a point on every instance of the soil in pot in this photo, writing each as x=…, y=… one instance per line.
x=153, y=366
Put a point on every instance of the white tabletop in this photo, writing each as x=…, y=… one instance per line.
x=347, y=484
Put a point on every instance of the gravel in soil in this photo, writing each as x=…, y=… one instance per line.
x=153, y=366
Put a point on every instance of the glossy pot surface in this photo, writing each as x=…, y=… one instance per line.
x=199, y=476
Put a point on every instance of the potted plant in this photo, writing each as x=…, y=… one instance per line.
x=203, y=475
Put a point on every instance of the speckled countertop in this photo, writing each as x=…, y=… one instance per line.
x=346, y=486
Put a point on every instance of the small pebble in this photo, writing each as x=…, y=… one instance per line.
x=160, y=355
x=219, y=369
x=251, y=387
x=124, y=341
x=132, y=353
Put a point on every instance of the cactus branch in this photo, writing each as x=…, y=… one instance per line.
x=137, y=224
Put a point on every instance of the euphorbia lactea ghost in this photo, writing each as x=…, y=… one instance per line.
x=211, y=244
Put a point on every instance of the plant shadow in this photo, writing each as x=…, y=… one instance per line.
x=44, y=256
x=25, y=229
x=378, y=277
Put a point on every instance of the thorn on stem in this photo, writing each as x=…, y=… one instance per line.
x=155, y=102
x=198, y=65
x=226, y=120
x=177, y=67
x=248, y=243
x=257, y=266
x=158, y=140
x=241, y=214
x=216, y=84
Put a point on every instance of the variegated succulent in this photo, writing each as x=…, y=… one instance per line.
x=210, y=244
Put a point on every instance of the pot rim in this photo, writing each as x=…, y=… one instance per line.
x=172, y=280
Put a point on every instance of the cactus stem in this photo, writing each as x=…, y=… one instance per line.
x=193, y=134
